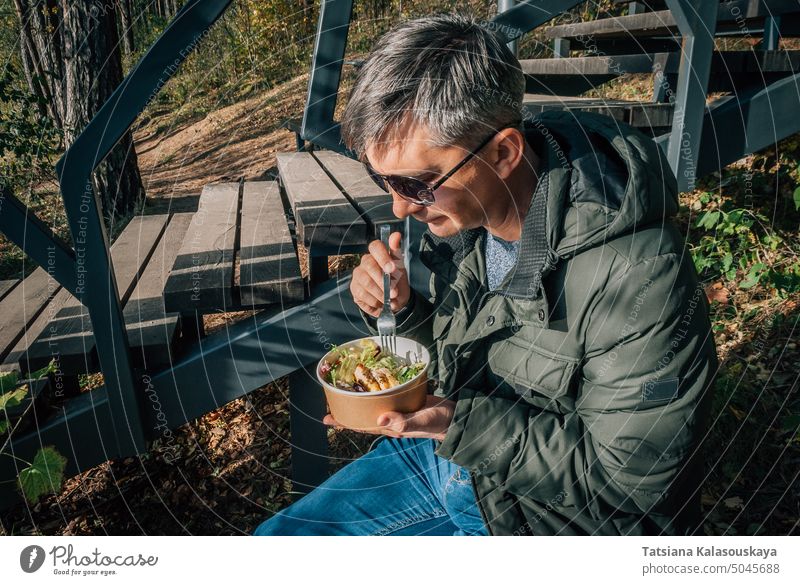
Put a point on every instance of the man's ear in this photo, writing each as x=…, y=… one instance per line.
x=509, y=151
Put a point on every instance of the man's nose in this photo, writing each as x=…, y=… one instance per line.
x=400, y=207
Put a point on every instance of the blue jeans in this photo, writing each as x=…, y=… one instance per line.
x=400, y=487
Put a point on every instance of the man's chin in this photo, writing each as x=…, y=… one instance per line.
x=442, y=228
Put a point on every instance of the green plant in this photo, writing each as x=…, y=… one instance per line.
x=739, y=246
x=45, y=474
x=28, y=141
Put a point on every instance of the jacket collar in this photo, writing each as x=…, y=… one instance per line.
x=536, y=256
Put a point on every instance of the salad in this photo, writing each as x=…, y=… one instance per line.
x=367, y=368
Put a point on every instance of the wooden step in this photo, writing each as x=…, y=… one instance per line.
x=373, y=203
x=152, y=331
x=203, y=278
x=734, y=16
x=17, y=357
x=269, y=270
x=731, y=61
x=598, y=66
x=202, y=274
x=21, y=306
x=6, y=286
x=325, y=217
x=68, y=335
x=653, y=117
x=144, y=256
x=574, y=75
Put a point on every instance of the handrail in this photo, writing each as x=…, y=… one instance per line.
x=20, y=225
x=87, y=271
x=527, y=15
x=697, y=24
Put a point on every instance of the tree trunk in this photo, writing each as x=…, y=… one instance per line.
x=41, y=44
x=165, y=8
x=72, y=62
x=93, y=69
x=126, y=24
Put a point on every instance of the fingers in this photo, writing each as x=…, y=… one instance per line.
x=367, y=283
x=367, y=286
x=397, y=424
x=374, y=273
x=389, y=260
x=366, y=292
x=330, y=421
x=430, y=421
x=368, y=304
x=396, y=247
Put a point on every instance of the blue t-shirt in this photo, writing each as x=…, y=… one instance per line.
x=501, y=255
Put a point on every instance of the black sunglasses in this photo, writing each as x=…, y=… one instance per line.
x=416, y=190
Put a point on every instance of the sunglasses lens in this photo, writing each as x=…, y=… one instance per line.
x=377, y=178
x=425, y=196
x=409, y=188
x=412, y=189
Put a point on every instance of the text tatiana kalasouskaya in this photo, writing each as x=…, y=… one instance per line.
x=708, y=551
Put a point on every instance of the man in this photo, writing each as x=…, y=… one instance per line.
x=572, y=354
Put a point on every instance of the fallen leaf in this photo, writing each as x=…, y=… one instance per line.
x=734, y=502
x=717, y=292
x=736, y=412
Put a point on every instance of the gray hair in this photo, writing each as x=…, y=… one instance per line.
x=446, y=72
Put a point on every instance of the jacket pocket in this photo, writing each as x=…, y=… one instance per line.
x=533, y=370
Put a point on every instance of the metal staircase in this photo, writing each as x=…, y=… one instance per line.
x=672, y=40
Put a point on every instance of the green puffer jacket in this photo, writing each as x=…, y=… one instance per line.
x=583, y=382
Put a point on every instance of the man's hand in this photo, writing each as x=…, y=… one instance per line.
x=430, y=422
x=366, y=284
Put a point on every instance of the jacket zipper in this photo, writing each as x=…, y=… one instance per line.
x=471, y=475
x=473, y=482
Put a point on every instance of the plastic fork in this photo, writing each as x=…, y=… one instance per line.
x=387, y=323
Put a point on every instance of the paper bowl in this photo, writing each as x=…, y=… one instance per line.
x=360, y=410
